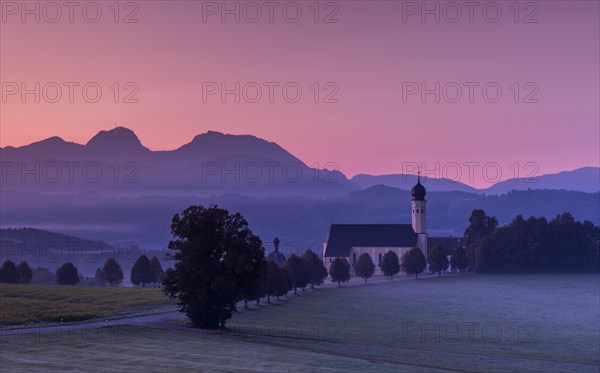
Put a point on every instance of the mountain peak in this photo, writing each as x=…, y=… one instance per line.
x=119, y=138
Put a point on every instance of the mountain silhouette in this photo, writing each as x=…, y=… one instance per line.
x=212, y=163
x=218, y=163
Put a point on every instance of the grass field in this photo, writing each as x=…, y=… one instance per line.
x=40, y=304
x=464, y=323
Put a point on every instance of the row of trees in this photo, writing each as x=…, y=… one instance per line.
x=297, y=272
x=15, y=274
x=144, y=271
x=413, y=262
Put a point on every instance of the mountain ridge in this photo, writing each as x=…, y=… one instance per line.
x=218, y=156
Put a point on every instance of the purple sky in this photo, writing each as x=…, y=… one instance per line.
x=371, y=55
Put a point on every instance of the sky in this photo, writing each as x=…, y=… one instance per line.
x=515, y=87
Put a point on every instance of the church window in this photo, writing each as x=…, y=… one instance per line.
x=353, y=258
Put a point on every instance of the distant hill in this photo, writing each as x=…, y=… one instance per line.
x=300, y=222
x=406, y=182
x=586, y=179
x=32, y=237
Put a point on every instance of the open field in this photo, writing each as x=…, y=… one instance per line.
x=40, y=304
x=464, y=323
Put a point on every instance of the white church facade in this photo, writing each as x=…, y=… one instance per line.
x=351, y=240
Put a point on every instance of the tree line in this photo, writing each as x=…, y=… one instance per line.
x=533, y=245
x=413, y=262
x=144, y=271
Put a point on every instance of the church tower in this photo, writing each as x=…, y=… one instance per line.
x=419, y=214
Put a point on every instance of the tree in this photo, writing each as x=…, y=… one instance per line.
x=25, y=273
x=480, y=227
x=156, y=269
x=276, y=284
x=437, y=259
x=414, y=262
x=286, y=270
x=112, y=272
x=255, y=288
x=215, y=254
x=10, y=274
x=67, y=274
x=141, y=272
x=364, y=266
x=459, y=259
x=317, y=270
x=390, y=264
x=339, y=271
x=300, y=272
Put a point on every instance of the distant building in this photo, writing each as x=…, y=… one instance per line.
x=351, y=240
x=275, y=255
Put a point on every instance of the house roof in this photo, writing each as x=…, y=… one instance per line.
x=448, y=243
x=343, y=237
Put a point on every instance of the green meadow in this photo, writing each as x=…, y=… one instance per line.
x=31, y=305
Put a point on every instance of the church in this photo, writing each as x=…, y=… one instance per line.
x=351, y=240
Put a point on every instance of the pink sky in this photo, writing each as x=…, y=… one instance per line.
x=368, y=54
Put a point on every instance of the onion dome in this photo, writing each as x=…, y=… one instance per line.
x=418, y=191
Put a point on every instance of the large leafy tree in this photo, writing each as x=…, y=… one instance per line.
x=111, y=272
x=317, y=270
x=437, y=259
x=67, y=274
x=141, y=272
x=10, y=273
x=339, y=270
x=390, y=264
x=480, y=227
x=215, y=254
x=25, y=273
x=459, y=259
x=414, y=262
x=364, y=267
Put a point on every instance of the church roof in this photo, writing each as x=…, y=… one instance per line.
x=343, y=237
